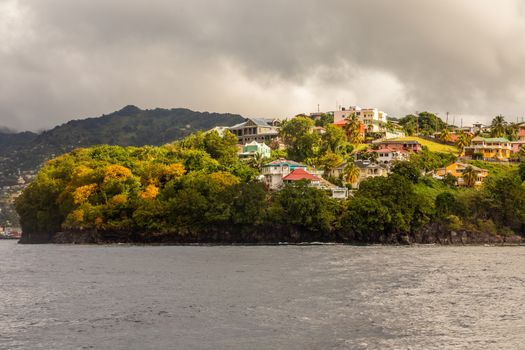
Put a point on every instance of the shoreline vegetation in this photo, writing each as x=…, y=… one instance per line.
x=197, y=190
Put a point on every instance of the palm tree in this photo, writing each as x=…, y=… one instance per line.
x=353, y=130
x=445, y=135
x=498, y=126
x=351, y=173
x=463, y=141
x=257, y=161
x=470, y=176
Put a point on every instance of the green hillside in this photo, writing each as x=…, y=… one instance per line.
x=130, y=126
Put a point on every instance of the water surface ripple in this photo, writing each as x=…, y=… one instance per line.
x=277, y=297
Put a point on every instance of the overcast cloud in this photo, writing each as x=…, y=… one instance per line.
x=64, y=59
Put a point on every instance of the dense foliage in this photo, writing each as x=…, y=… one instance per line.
x=199, y=185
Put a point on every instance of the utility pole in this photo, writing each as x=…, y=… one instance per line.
x=417, y=123
x=447, y=120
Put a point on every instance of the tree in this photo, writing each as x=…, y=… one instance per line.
x=521, y=170
x=463, y=141
x=353, y=130
x=407, y=170
x=470, y=176
x=329, y=161
x=351, y=173
x=333, y=139
x=298, y=136
x=324, y=120
x=498, y=126
x=445, y=135
x=409, y=124
x=304, y=206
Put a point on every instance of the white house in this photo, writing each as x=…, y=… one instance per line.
x=374, y=119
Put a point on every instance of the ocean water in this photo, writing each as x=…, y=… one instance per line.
x=274, y=297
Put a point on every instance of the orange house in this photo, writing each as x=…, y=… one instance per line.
x=457, y=169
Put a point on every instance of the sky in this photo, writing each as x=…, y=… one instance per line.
x=64, y=59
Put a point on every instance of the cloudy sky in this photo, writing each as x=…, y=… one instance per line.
x=66, y=59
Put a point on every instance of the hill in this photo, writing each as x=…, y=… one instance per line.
x=130, y=126
x=22, y=154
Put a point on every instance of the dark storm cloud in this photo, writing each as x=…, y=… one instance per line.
x=63, y=59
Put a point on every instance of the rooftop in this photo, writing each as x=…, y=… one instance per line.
x=300, y=174
x=490, y=139
x=281, y=162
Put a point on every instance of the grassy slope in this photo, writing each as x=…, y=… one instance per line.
x=496, y=169
x=432, y=146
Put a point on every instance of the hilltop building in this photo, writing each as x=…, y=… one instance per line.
x=373, y=119
x=256, y=129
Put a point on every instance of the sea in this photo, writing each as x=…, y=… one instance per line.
x=261, y=297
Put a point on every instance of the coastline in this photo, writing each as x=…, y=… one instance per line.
x=271, y=236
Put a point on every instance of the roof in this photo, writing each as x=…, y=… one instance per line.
x=521, y=133
x=489, y=139
x=368, y=164
x=383, y=150
x=281, y=162
x=469, y=165
x=300, y=174
x=341, y=122
x=397, y=142
x=262, y=121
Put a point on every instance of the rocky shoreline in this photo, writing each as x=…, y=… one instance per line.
x=431, y=234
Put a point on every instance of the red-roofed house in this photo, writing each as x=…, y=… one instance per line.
x=302, y=175
x=299, y=175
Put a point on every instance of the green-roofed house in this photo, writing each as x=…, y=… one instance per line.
x=249, y=150
x=498, y=148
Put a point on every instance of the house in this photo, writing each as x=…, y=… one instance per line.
x=367, y=169
x=373, y=119
x=456, y=169
x=275, y=171
x=399, y=146
x=489, y=148
x=387, y=155
x=249, y=150
x=256, y=129
x=300, y=174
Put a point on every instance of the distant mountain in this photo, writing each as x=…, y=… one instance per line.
x=130, y=126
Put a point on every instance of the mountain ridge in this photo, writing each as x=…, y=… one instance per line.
x=130, y=126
